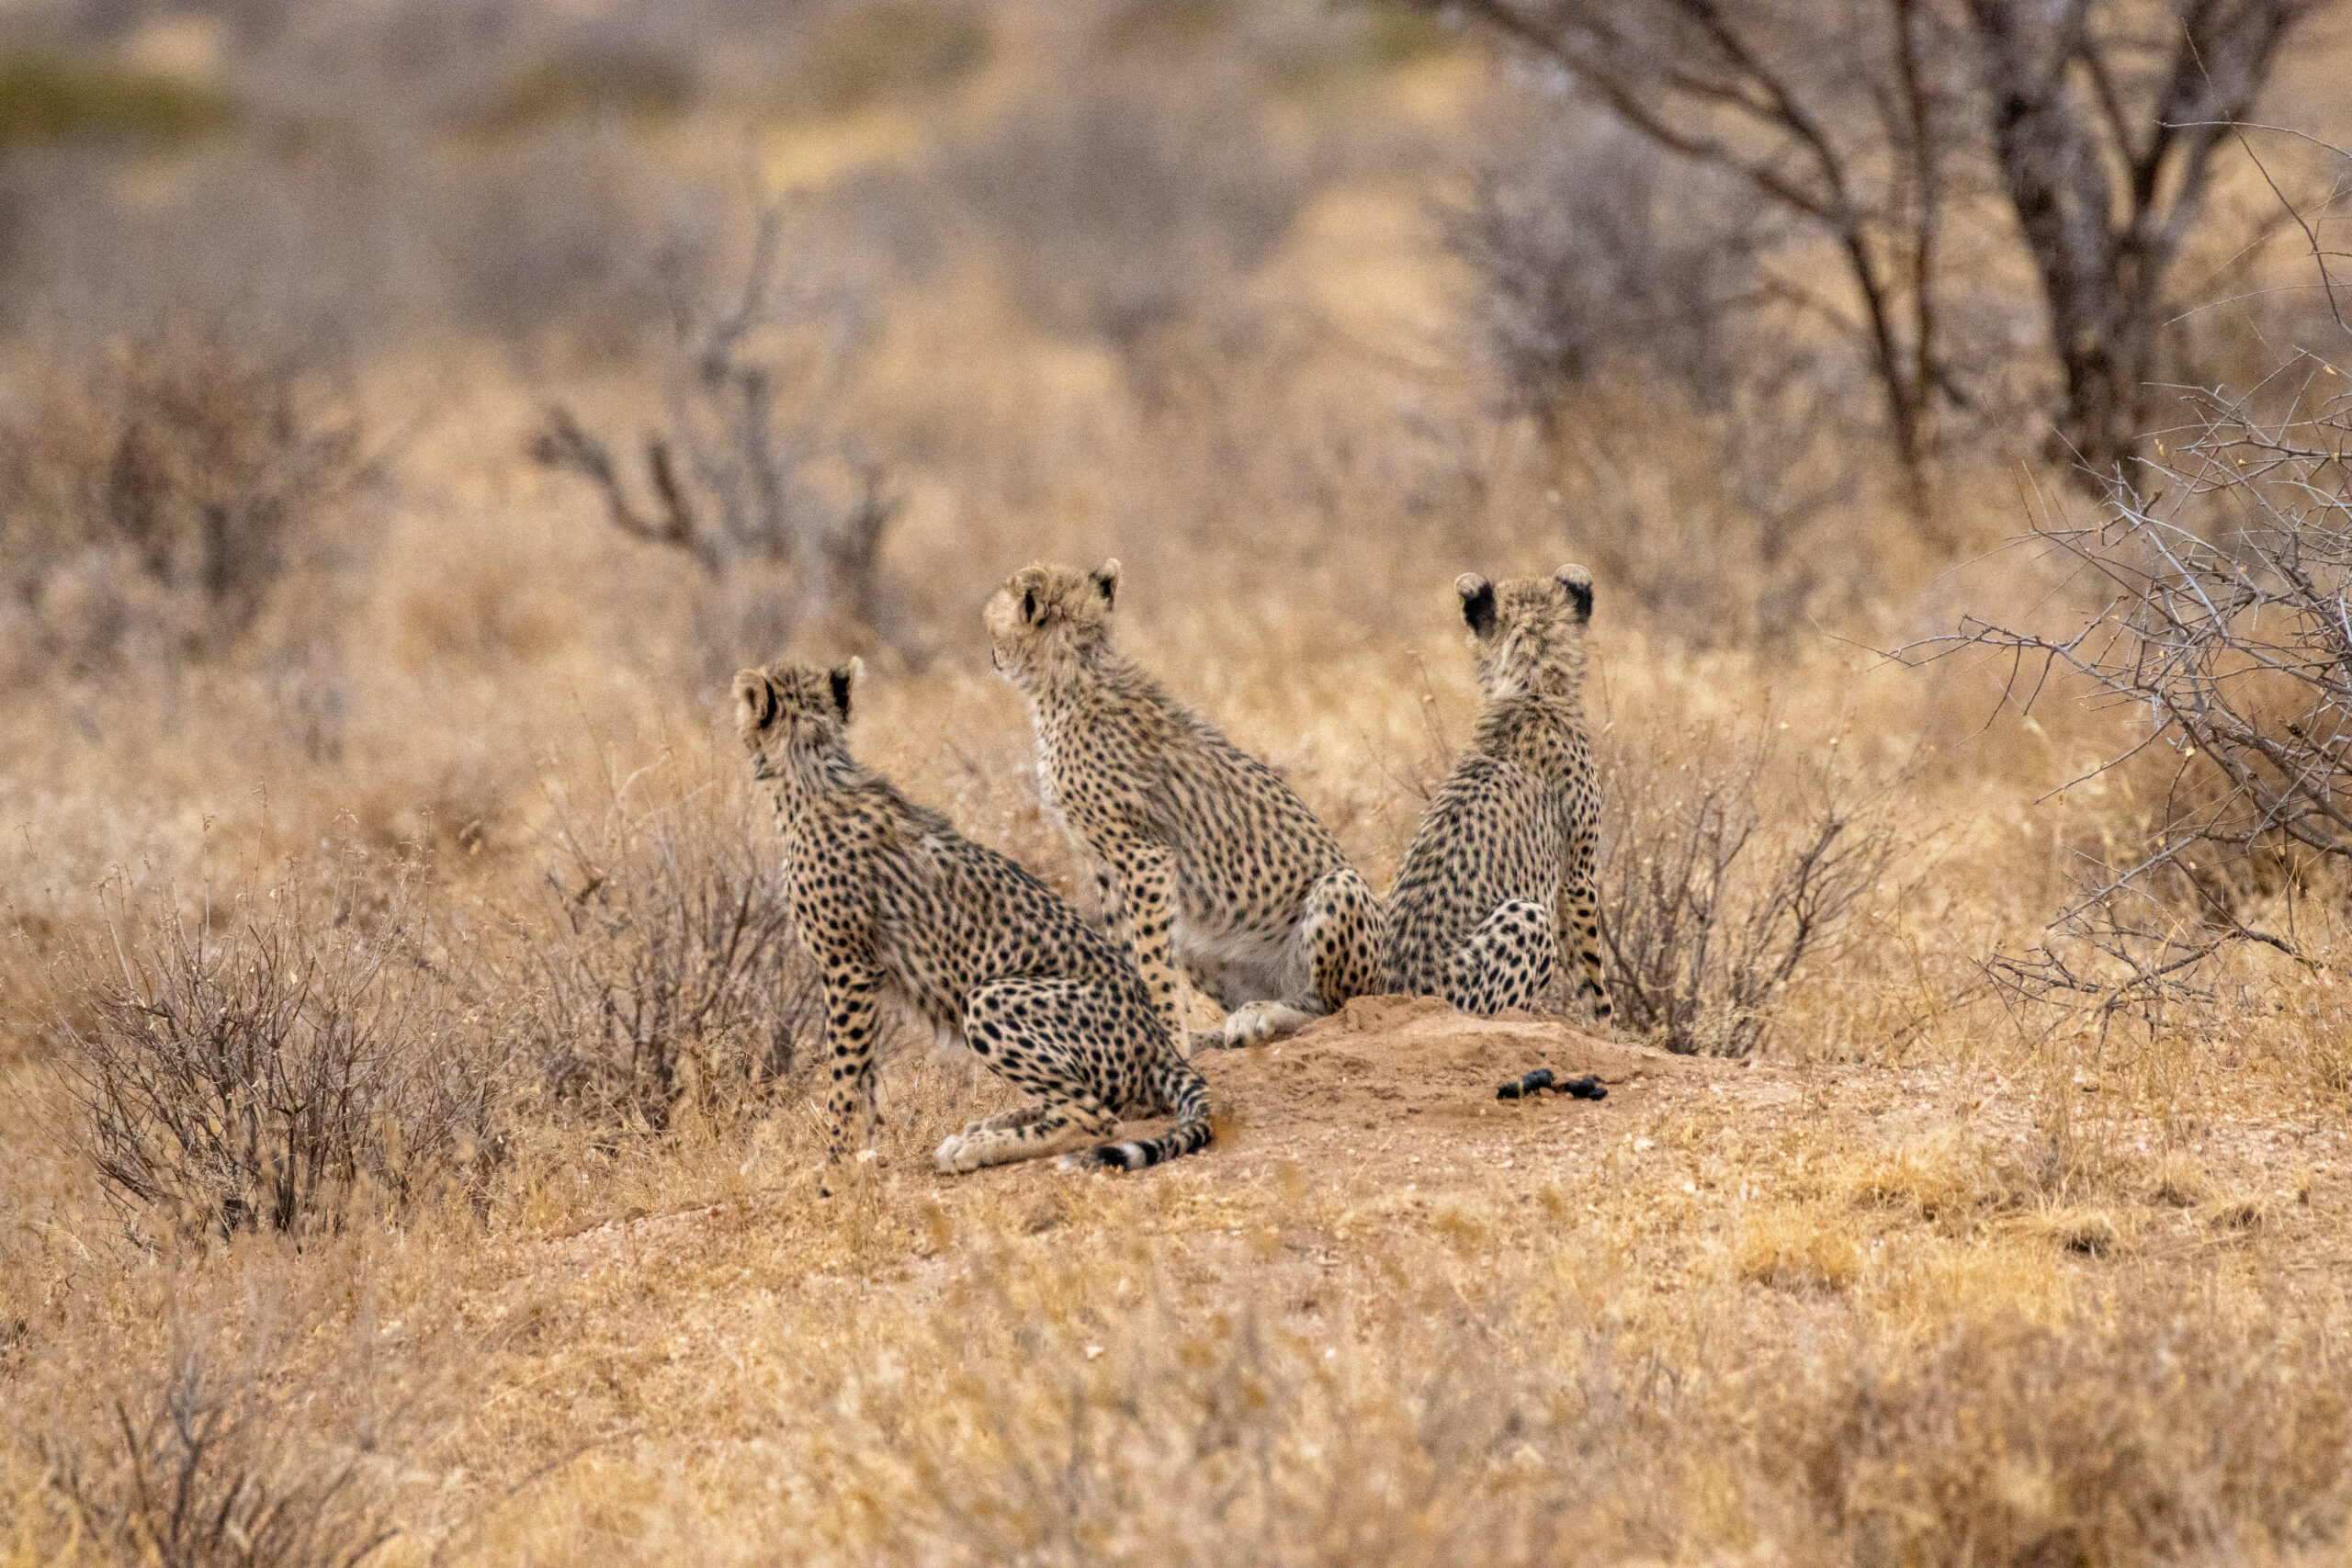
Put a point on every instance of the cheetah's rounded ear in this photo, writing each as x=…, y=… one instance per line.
x=1106, y=580
x=754, y=700
x=1578, y=582
x=1477, y=602
x=842, y=680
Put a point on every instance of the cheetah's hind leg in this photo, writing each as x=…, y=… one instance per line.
x=1507, y=962
x=1178, y=1089
x=1333, y=956
x=1006, y=1025
x=1032, y=1132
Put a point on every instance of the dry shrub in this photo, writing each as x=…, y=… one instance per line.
x=56, y=99
x=599, y=79
x=577, y=247
x=198, y=1475
x=1711, y=904
x=251, y=1065
x=156, y=496
x=244, y=1406
x=659, y=973
x=1589, y=249
x=2211, y=614
x=848, y=57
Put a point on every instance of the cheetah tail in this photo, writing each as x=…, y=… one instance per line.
x=1183, y=1090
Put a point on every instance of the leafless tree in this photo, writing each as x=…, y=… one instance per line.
x=1868, y=123
x=2080, y=92
x=749, y=464
x=1847, y=130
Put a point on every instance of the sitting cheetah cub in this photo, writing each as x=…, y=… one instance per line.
x=1194, y=845
x=888, y=896
x=1501, y=870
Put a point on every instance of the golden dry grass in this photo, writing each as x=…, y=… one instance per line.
x=1925, y=1282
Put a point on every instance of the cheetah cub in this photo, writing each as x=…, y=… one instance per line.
x=888, y=897
x=1196, y=848
x=1500, y=875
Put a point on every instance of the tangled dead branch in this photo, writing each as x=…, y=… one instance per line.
x=2223, y=621
x=749, y=466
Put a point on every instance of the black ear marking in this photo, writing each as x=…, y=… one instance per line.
x=1029, y=606
x=1477, y=602
x=839, y=680
x=1106, y=583
x=1578, y=582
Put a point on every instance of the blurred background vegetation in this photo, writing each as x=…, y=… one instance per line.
x=412, y=410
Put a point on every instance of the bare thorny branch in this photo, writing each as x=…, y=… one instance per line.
x=2225, y=623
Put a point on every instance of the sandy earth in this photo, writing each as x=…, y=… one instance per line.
x=1395, y=1097
x=675, y=1337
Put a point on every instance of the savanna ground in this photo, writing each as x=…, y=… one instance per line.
x=404, y=1149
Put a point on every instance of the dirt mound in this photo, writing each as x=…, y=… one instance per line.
x=1382, y=1058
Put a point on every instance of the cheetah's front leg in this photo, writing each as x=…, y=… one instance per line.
x=1143, y=882
x=853, y=1000
x=1578, y=922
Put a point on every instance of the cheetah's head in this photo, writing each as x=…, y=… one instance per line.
x=1048, y=619
x=791, y=712
x=1529, y=632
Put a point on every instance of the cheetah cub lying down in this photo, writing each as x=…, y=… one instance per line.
x=889, y=897
x=1499, y=877
x=1196, y=848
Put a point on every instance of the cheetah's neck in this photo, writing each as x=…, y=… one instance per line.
x=1101, y=683
x=800, y=778
x=1542, y=731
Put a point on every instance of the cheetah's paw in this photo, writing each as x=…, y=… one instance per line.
x=1258, y=1023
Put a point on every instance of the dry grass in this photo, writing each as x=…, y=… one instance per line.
x=1919, y=1280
